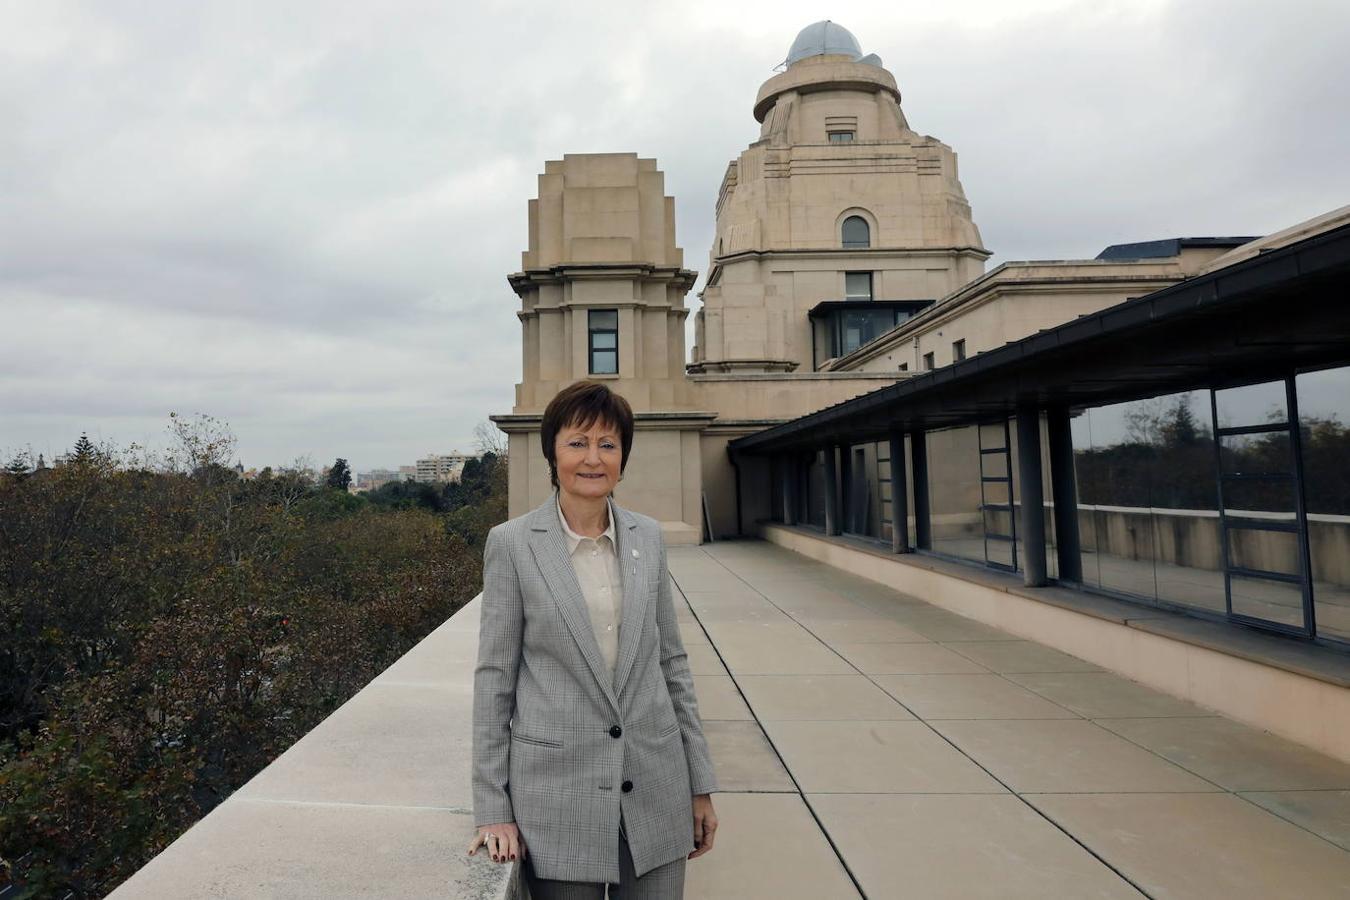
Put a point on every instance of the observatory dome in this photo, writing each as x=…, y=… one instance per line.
x=824, y=37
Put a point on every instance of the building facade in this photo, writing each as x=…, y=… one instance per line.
x=440, y=468
x=847, y=268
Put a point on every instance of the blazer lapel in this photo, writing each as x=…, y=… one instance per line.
x=549, y=546
x=634, y=558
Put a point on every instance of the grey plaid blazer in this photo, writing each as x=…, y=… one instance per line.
x=558, y=747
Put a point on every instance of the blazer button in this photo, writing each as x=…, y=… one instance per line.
x=627, y=786
x=615, y=731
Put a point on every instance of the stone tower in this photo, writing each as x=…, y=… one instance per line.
x=601, y=291
x=837, y=205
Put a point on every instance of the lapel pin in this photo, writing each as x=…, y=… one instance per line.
x=635, y=553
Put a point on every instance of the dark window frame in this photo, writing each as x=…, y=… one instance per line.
x=592, y=331
x=847, y=244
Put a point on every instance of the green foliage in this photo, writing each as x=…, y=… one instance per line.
x=165, y=634
x=340, y=476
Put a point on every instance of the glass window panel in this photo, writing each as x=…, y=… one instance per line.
x=604, y=362
x=954, y=492
x=1264, y=453
x=998, y=521
x=858, y=285
x=856, y=232
x=1324, y=422
x=996, y=493
x=1264, y=551
x=1115, y=478
x=604, y=340
x=1000, y=553
x=992, y=437
x=604, y=318
x=1273, y=601
x=1271, y=498
x=1182, y=498
x=841, y=137
x=1085, y=463
x=1252, y=404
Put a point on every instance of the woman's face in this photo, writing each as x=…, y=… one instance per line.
x=588, y=460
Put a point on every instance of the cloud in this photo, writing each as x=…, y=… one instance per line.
x=299, y=217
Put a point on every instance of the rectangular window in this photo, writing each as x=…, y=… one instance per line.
x=858, y=285
x=928, y=364
x=958, y=350
x=603, y=326
x=841, y=137
x=904, y=367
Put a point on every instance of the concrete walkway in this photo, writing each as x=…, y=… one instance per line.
x=869, y=744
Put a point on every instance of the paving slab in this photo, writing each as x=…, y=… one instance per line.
x=1202, y=845
x=743, y=759
x=868, y=629
x=768, y=847
x=1099, y=695
x=692, y=633
x=1021, y=656
x=1324, y=813
x=703, y=660
x=984, y=696
x=950, y=628
x=907, y=659
x=1065, y=757
x=819, y=698
x=876, y=757
x=960, y=846
x=1233, y=755
x=795, y=656
x=718, y=698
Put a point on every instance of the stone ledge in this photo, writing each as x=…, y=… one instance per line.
x=375, y=801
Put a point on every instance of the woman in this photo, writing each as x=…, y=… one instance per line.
x=589, y=761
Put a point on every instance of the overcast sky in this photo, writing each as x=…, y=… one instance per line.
x=298, y=217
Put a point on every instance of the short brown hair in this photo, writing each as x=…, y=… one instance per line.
x=583, y=403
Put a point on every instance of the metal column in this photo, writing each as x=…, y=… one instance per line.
x=846, y=512
x=831, y=491
x=918, y=454
x=1064, y=490
x=1033, y=496
x=899, y=495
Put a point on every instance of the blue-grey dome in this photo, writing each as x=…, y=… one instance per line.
x=820, y=38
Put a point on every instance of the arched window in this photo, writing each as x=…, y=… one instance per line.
x=856, y=234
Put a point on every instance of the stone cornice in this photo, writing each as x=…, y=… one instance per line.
x=692, y=420
x=646, y=272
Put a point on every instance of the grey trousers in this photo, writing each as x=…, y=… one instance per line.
x=662, y=883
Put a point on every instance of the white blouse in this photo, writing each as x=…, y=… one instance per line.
x=596, y=563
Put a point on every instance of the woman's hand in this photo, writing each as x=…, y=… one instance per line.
x=705, y=825
x=503, y=841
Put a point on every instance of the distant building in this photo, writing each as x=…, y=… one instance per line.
x=441, y=468
x=378, y=478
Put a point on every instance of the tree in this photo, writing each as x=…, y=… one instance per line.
x=85, y=452
x=18, y=467
x=340, y=476
x=489, y=439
